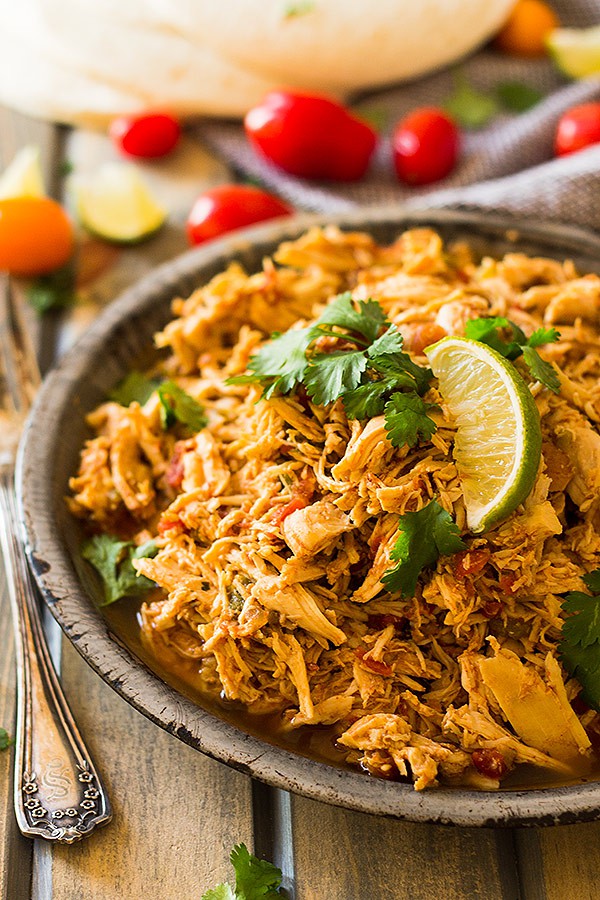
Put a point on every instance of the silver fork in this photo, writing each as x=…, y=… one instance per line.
x=58, y=794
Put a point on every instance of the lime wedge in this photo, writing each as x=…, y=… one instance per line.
x=115, y=204
x=576, y=51
x=23, y=176
x=498, y=441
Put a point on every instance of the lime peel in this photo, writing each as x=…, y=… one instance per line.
x=498, y=434
x=115, y=204
x=576, y=51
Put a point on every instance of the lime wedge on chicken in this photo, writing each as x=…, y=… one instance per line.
x=498, y=440
x=114, y=203
x=576, y=51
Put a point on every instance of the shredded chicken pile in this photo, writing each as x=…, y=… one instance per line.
x=276, y=521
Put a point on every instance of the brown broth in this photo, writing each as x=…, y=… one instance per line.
x=314, y=742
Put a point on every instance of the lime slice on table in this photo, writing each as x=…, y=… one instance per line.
x=576, y=51
x=23, y=176
x=115, y=204
x=498, y=440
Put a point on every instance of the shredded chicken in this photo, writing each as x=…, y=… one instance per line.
x=276, y=522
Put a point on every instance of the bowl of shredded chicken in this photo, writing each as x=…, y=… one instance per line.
x=277, y=497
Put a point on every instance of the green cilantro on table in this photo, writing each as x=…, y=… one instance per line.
x=255, y=879
x=5, y=740
x=176, y=405
x=492, y=331
x=472, y=107
x=580, y=643
x=366, y=368
x=516, y=96
x=113, y=560
x=423, y=537
x=53, y=291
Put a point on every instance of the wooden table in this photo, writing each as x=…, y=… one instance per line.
x=178, y=813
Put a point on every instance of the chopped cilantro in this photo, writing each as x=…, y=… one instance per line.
x=406, y=419
x=135, y=387
x=490, y=332
x=580, y=643
x=53, y=291
x=5, y=740
x=255, y=879
x=516, y=96
x=176, y=405
x=112, y=559
x=423, y=537
x=365, y=376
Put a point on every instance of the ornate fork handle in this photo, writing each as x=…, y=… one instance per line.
x=58, y=794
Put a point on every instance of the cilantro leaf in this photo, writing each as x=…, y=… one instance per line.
x=134, y=387
x=580, y=643
x=405, y=372
x=254, y=878
x=423, y=537
x=390, y=342
x=5, y=740
x=330, y=375
x=53, y=291
x=468, y=106
x=368, y=320
x=543, y=336
x=176, y=405
x=112, y=559
x=489, y=331
x=368, y=399
x=220, y=892
x=299, y=8
x=516, y=96
x=541, y=369
x=406, y=419
x=279, y=364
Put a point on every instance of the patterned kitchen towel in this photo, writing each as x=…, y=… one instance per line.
x=508, y=166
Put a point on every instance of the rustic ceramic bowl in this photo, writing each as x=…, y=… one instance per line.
x=56, y=431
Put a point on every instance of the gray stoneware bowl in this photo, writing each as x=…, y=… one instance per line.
x=55, y=433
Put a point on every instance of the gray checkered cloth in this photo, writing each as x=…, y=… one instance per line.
x=508, y=166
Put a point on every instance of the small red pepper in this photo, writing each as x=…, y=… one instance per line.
x=310, y=135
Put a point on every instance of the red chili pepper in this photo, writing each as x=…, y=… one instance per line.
x=490, y=763
x=311, y=136
x=374, y=665
x=470, y=562
x=173, y=524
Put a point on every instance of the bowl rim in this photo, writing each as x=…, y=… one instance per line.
x=164, y=705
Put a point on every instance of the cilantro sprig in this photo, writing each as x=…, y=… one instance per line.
x=580, y=643
x=255, y=879
x=368, y=370
x=113, y=560
x=423, y=537
x=493, y=332
x=176, y=405
x=5, y=739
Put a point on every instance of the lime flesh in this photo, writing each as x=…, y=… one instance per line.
x=498, y=440
x=115, y=204
x=23, y=176
x=576, y=51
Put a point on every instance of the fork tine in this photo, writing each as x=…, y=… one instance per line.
x=17, y=355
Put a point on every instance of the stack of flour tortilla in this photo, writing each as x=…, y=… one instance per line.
x=82, y=62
